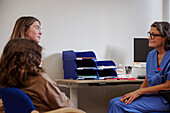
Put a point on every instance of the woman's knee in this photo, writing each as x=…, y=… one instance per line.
x=114, y=100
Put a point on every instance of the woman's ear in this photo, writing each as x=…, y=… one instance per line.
x=164, y=39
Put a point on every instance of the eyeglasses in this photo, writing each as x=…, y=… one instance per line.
x=152, y=35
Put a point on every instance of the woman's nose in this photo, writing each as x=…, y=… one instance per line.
x=40, y=33
x=149, y=37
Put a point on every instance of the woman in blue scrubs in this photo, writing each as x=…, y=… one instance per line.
x=146, y=98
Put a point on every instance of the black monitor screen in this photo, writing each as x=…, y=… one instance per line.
x=141, y=49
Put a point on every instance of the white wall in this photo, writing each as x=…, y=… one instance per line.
x=166, y=10
x=105, y=26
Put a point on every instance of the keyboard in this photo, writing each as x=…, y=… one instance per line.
x=141, y=76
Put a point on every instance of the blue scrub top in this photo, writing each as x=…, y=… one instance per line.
x=154, y=72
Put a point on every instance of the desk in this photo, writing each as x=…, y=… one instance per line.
x=73, y=85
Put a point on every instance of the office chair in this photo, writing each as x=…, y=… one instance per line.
x=163, y=93
x=17, y=101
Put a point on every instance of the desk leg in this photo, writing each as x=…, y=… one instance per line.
x=74, y=96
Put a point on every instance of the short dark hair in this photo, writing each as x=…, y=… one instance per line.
x=164, y=29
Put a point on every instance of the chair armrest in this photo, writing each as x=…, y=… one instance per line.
x=34, y=111
x=165, y=94
x=1, y=101
x=66, y=110
x=1, y=105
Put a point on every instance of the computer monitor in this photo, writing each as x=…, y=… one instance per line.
x=141, y=50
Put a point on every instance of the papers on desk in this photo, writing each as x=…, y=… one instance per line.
x=119, y=71
x=106, y=67
x=87, y=76
x=82, y=68
x=106, y=77
x=121, y=76
x=139, y=65
x=85, y=58
x=121, y=79
x=97, y=68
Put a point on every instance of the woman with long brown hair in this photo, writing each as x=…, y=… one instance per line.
x=20, y=68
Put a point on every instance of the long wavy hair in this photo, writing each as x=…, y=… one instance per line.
x=22, y=25
x=20, y=59
x=164, y=29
